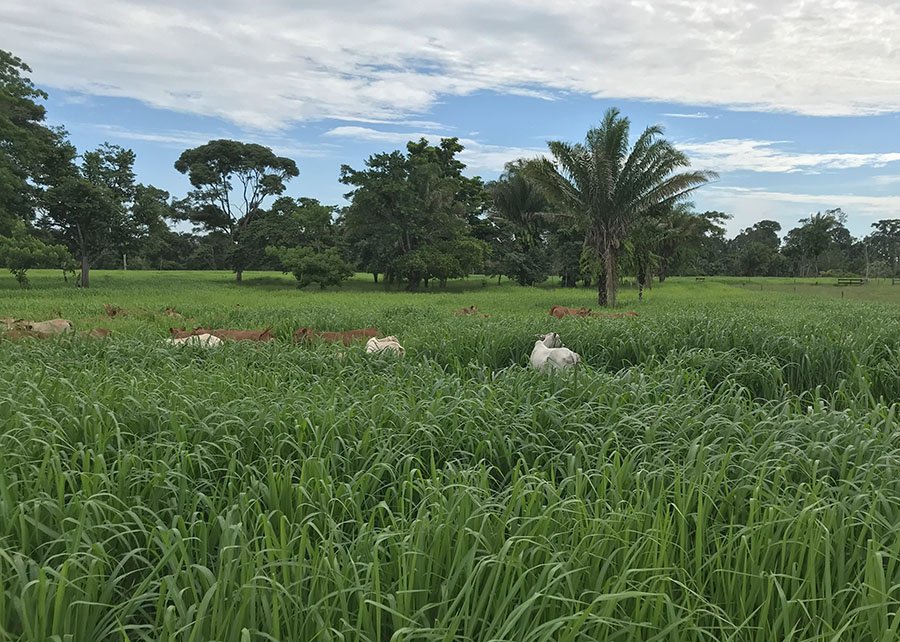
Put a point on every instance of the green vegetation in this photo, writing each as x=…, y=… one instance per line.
x=725, y=466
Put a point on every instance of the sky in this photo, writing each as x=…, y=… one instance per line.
x=796, y=103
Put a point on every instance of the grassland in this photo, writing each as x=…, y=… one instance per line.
x=725, y=467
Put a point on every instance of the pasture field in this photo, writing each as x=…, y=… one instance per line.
x=726, y=466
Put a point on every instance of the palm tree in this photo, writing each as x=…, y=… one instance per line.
x=521, y=203
x=607, y=187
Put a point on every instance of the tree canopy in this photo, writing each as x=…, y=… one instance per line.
x=231, y=181
x=608, y=187
x=31, y=154
x=409, y=213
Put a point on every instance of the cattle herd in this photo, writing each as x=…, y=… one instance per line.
x=548, y=352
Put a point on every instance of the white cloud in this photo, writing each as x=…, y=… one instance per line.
x=698, y=115
x=886, y=180
x=180, y=139
x=284, y=61
x=476, y=155
x=729, y=155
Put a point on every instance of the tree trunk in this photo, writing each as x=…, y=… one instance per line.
x=641, y=280
x=375, y=276
x=601, y=292
x=499, y=276
x=238, y=276
x=612, y=275
x=85, y=271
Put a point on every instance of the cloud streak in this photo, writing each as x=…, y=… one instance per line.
x=476, y=155
x=733, y=154
x=286, y=62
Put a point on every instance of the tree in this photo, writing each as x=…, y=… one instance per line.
x=607, y=188
x=409, y=215
x=326, y=267
x=816, y=234
x=21, y=252
x=755, y=250
x=231, y=181
x=31, y=154
x=884, y=242
x=93, y=207
x=519, y=207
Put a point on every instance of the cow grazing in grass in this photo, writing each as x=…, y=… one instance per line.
x=202, y=340
x=549, y=353
x=347, y=337
x=560, y=311
x=49, y=328
x=385, y=345
x=226, y=335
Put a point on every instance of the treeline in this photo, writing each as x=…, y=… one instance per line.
x=587, y=214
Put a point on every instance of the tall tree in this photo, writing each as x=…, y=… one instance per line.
x=409, y=213
x=754, y=251
x=608, y=187
x=522, y=206
x=93, y=209
x=885, y=242
x=231, y=181
x=31, y=154
x=816, y=234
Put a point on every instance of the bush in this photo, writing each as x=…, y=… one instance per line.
x=22, y=252
x=308, y=266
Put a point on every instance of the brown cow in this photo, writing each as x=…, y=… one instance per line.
x=347, y=337
x=560, y=311
x=232, y=335
x=17, y=333
x=467, y=311
x=113, y=311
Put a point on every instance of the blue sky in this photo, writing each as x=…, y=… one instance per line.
x=796, y=106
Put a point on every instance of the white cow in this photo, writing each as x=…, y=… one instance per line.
x=385, y=344
x=201, y=340
x=549, y=352
x=50, y=328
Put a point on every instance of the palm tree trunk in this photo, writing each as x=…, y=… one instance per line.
x=612, y=275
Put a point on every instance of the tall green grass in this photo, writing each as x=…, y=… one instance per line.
x=720, y=470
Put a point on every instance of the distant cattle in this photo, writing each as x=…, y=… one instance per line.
x=49, y=328
x=203, y=340
x=385, y=344
x=113, y=311
x=15, y=334
x=560, y=311
x=471, y=311
x=227, y=335
x=347, y=337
